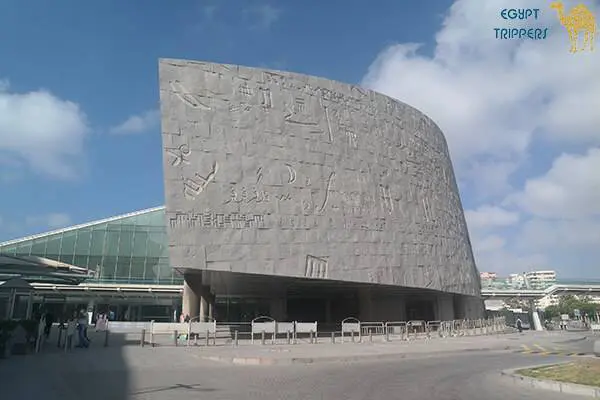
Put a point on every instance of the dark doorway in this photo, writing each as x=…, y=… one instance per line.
x=420, y=310
x=306, y=310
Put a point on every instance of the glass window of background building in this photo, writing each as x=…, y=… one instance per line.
x=128, y=249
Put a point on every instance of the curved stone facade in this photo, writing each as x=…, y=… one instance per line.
x=276, y=173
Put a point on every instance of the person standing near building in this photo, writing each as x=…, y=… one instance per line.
x=519, y=325
x=81, y=328
x=71, y=326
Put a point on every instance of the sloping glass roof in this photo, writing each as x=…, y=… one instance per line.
x=129, y=248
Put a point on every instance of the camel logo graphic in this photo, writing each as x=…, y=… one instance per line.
x=579, y=19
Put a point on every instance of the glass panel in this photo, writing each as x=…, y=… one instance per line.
x=137, y=268
x=94, y=263
x=20, y=307
x=39, y=247
x=98, y=239
x=139, y=244
x=80, y=261
x=138, y=261
x=126, y=241
x=109, y=263
x=165, y=272
x=24, y=248
x=112, y=242
x=82, y=246
x=10, y=250
x=108, y=268
x=123, y=267
x=53, y=247
x=68, y=247
x=156, y=244
x=152, y=268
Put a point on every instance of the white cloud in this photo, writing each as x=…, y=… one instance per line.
x=494, y=100
x=43, y=131
x=137, y=123
x=51, y=220
x=570, y=189
x=545, y=235
x=263, y=16
x=490, y=217
x=489, y=96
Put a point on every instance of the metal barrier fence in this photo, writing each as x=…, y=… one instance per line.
x=267, y=330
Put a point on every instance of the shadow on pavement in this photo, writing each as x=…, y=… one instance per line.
x=97, y=372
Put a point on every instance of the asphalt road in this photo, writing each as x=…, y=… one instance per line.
x=470, y=375
x=448, y=377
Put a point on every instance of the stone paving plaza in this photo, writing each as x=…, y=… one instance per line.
x=452, y=368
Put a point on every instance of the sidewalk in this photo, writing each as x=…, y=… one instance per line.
x=123, y=357
x=325, y=351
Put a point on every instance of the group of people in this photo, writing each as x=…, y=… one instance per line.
x=76, y=325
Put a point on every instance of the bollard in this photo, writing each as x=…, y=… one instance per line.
x=311, y=337
x=370, y=336
x=143, y=339
x=262, y=338
x=333, y=337
x=207, y=337
x=352, y=336
x=287, y=337
x=106, y=338
x=273, y=338
x=175, y=338
x=215, y=338
x=235, y=338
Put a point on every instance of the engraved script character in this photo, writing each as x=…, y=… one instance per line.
x=180, y=155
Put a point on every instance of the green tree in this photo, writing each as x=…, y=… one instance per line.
x=568, y=303
x=551, y=312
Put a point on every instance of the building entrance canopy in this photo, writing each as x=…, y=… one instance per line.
x=41, y=270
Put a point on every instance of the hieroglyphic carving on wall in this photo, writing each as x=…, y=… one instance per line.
x=191, y=220
x=316, y=267
x=180, y=155
x=193, y=186
x=326, y=163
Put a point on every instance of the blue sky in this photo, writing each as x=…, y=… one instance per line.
x=86, y=72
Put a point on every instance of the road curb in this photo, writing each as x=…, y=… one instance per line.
x=545, y=384
x=332, y=359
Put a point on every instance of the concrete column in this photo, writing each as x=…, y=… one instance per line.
x=278, y=308
x=211, y=307
x=204, y=301
x=365, y=304
x=190, y=300
x=445, y=307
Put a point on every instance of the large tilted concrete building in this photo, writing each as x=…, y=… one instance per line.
x=288, y=196
x=326, y=199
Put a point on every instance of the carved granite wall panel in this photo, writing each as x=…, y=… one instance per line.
x=310, y=177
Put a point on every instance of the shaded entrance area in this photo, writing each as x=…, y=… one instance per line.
x=236, y=297
x=420, y=310
x=16, y=274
